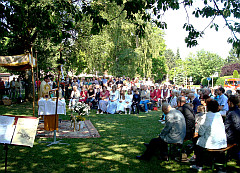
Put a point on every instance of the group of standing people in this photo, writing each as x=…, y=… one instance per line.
x=12, y=88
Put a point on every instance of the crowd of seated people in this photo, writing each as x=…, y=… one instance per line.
x=212, y=121
x=211, y=116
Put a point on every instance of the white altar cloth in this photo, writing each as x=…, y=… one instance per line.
x=48, y=107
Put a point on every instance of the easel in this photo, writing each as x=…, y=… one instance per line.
x=6, y=148
x=14, y=132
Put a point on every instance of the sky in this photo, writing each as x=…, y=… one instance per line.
x=212, y=41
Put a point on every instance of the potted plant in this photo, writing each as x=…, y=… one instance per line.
x=82, y=110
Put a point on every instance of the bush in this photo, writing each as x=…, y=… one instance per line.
x=235, y=74
x=220, y=81
x=228, y=69
x=204, y=81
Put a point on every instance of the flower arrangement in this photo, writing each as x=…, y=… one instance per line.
x=82, y=110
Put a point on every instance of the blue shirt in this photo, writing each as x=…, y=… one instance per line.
x=223, y=101
x=104, y=81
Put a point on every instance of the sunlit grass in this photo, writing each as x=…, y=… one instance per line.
x=122, y=138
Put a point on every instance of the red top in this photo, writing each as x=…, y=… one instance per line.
x=158, y=93
x=106, y=94
x=152, y=95
x=84, y=96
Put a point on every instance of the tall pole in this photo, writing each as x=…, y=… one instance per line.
x=57, y=92
x=37, y=73
x=212, y=81
x=33, y=82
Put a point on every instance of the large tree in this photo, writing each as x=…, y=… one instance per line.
x=199, y=65
x=152, y=10
x=23, y=21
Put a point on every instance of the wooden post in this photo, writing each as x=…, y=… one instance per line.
x=57, y=93
x=37, y=73
x=33, y=83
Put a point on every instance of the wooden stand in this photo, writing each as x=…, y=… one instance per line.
x=6, y=151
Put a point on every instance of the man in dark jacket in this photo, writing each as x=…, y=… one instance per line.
x=232, y=122
x=232, y=126
x=173, y=132
x=189, y=116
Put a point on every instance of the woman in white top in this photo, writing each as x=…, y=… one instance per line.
x=128, y=101
x=211, y=133
x=121, y=102
x=74, y=97
x=113, y=99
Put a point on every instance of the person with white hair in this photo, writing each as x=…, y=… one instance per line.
x=145, y=98
x=74, y=97
x=173, y=99
x=173, y=132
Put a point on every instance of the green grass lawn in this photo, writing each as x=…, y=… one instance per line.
x=122, y=138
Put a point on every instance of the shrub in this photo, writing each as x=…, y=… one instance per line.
x=227, y=70
x=235, y=74
x=220, y=81
x=204, y=81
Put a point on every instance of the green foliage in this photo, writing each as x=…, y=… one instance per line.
x=3, y=70
x=171, y=58
x=199, y=65
x=113, y=35
x=22, y=22
x=117, y=49
x=233, y=57
x=235, y=74
x=204, y=82
x=220, y=81
x=227, y=10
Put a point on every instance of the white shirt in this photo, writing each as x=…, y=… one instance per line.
x=173, y=102
x=212, y=132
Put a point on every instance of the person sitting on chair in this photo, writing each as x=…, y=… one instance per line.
x=189, y=116
x=74, y=97
x=211, y=133
x=173, y=132
x=83, y=95
x=135, y=101
x=145, y=98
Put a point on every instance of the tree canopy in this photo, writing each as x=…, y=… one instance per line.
x=118, y=36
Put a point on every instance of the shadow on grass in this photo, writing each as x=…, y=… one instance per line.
x=122, y=138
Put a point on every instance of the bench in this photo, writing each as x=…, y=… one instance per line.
x=222, y=150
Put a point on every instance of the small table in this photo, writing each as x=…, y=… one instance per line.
x=47, y=108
